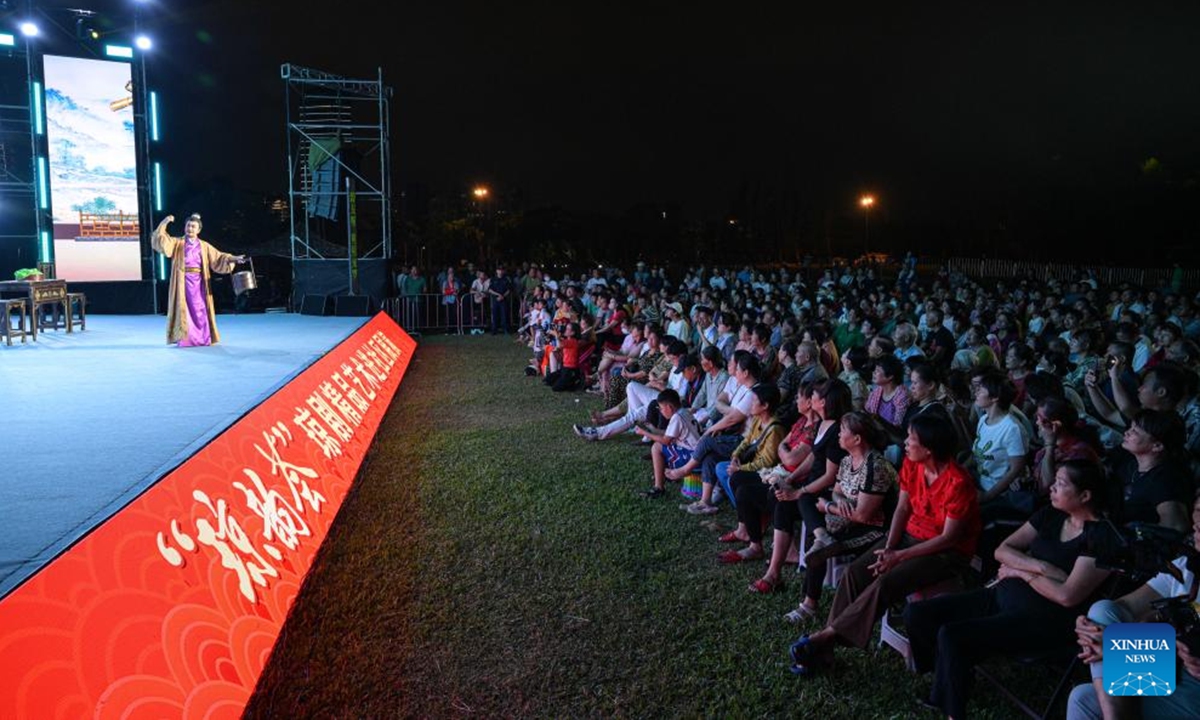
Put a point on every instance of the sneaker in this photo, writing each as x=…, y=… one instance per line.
x=587, y=433
x=702, y=508
x=718, y=495
x=653, y=493
x=687, y=507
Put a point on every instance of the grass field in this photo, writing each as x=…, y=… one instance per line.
x=487, y=563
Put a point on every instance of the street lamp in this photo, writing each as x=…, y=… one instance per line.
x=866, y=202
x=481, y=194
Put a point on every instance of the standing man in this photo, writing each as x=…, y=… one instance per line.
x=500, y=289
x=191, y=316
x=410, y=287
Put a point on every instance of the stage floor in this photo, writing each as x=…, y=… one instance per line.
x=93, y=418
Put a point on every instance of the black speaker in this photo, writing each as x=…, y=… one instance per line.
x=314, y=305
x=352, y=305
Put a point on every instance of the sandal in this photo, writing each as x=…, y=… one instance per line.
x=731, y=537
x=766, y=587
x=730, y=557
x=801, y=614
x=653, y=493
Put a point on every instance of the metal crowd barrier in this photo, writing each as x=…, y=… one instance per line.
x=430, y=313
x=426, y=313
x=477, y=317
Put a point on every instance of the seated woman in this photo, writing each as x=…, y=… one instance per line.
x=759, y=448
x=1000, y=441
x=613, y=361
x=788, y=380
x=1064, y=437
x=889, y=399
x=857, y=514
x=854, y=366
x=1046, y=576
x=982, y=353
x=927, y=394
x=1019, y=361
x=651, y=353
x=745, y=338
x=760, y=341
x=793, y=495
x=795, y=457
x=931, y=539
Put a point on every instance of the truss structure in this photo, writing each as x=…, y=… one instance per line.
x=327, y=110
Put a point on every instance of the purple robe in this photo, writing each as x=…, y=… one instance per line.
x=194, y=291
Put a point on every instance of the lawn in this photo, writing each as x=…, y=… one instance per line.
x=488, y=563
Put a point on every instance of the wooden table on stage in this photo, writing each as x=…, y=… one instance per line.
x=41, y=293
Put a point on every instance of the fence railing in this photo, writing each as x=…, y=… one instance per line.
x=435, y=313
x=998, y=269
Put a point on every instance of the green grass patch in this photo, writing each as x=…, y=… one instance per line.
x=488, y=563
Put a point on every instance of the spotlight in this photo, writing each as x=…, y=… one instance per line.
x=28, y=29
x=84, y=30
x=143, y=42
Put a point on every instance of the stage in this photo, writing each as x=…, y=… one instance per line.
x=94, y=418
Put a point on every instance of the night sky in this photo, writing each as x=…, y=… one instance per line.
x=999, y=119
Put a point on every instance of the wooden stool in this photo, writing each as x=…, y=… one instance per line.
x=77, y=310
x=10, y=308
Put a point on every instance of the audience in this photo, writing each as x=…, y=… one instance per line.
x=945, y=428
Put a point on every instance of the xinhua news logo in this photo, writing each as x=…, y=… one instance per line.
x=1139, y=659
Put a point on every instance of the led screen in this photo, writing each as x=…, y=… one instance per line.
x=92, y=168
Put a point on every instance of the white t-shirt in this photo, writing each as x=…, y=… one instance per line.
x=682, y=429
x=677, y=382
x=994, y=445
x=1166, y=586
x=740, y=401
x=679, y=330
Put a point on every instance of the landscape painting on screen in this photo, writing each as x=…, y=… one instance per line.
x=93, y=169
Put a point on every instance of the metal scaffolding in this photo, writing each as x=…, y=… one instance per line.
x=332, y=119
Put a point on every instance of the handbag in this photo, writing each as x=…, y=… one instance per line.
x=748, y=453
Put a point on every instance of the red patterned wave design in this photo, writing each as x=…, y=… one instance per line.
x=147, y=617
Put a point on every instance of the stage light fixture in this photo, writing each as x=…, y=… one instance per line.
x=84, y=30
x=29, y=29
x=121, y=51
x=143, y=42
x=7, y=39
